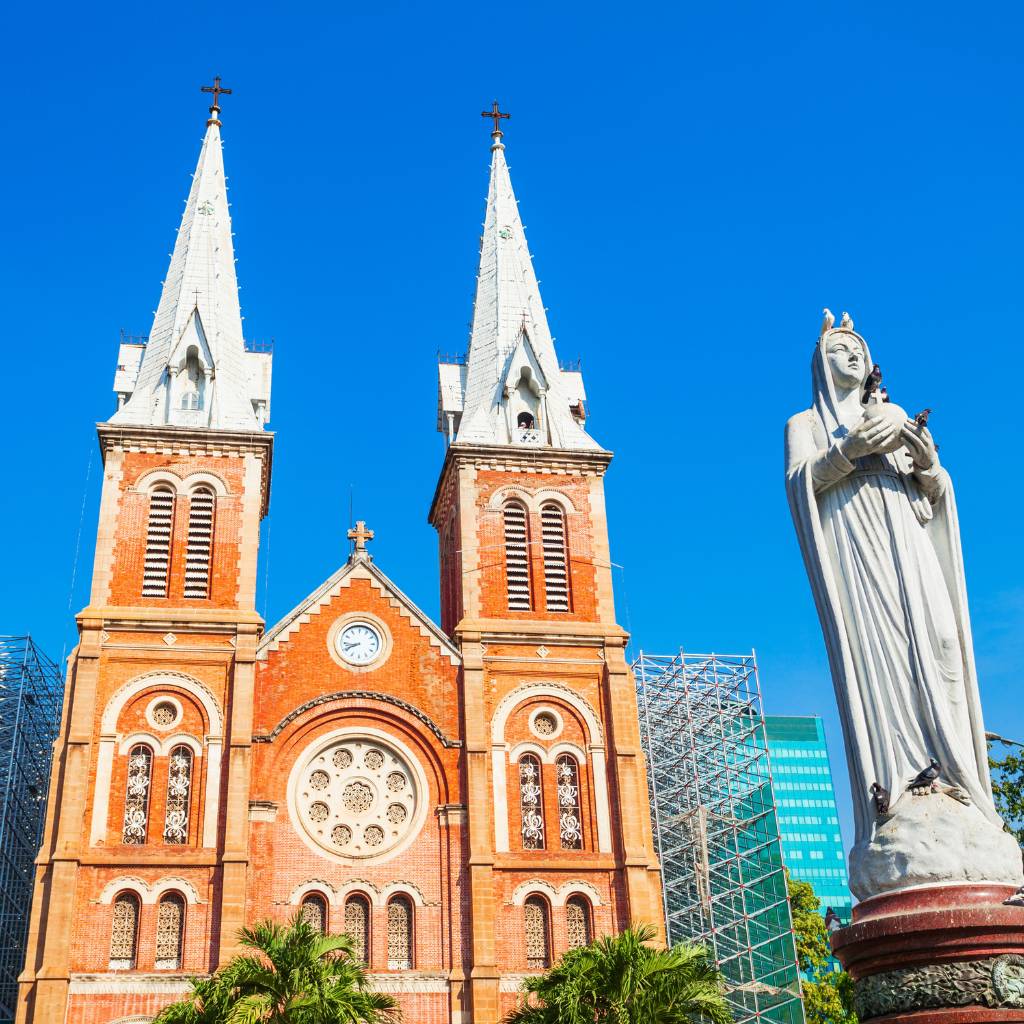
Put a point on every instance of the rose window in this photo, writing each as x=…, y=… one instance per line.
x=545, y=724
x=165, y=714
x=356, y=797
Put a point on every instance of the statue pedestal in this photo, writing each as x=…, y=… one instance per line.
x=949, y=954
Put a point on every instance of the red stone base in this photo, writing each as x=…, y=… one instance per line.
x=938, y=955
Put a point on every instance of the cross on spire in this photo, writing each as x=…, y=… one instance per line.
x=360, y=534
x=218, y=90
x=496, y=115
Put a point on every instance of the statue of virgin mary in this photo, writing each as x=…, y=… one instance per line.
x=876, y=519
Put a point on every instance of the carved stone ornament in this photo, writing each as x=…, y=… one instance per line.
x=996, y=983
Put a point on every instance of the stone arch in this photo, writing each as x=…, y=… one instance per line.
x=199, y=690
x=556, y=691
x=153, y=478
x=205, y=479
x=318, y=885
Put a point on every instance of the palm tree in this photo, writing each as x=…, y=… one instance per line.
x=622, y=980
x=295, y=976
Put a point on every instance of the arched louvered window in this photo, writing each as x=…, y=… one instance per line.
x=136, y=798
x=538, y=931
x=570, y=820
x=179, y=789
x=399, y=933
x=357, y=926
x=556, y=558
x=124, y=931
x=577, y=921
x=170, y=928
x=531, y=802
x=314, y=911
x=200, y=543
x=158, y=543
x=517, y=557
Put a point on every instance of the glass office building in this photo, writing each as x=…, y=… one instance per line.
x=812, y=844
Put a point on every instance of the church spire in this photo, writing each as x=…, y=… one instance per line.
x=511, y=389
x=194, y=369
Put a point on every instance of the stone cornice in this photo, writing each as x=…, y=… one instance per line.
x=520, y=459
x=198, y=620
x=192, y=440
x=568, y=633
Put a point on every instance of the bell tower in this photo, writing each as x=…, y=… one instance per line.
x=558, y=807
x=148, y=814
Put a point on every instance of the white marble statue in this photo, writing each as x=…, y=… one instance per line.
x=877, y=524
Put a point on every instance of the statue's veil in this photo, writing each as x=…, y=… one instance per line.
x=823, y=396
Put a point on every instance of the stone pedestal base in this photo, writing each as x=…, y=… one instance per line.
x=937, y=955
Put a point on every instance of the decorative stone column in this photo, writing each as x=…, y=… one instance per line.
x=949, y=954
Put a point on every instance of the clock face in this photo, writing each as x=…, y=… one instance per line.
x=358, y=643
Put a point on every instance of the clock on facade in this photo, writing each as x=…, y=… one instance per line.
x=358, y=643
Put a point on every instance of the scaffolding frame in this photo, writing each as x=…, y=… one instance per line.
x=715, y=825
x=31, y=694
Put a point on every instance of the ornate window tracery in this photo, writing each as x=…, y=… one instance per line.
x=314, y=911
x=179, y=788
x=158, y=543
x=517, y=557
x=400, y=934
x=556, y=558
x=170, y=926
x=124, y=930
x=357, y=926
x=577, y=921
x=199, y=549
x=538, y=946
x=531, y=802
x=136, y=801
x=570, y=820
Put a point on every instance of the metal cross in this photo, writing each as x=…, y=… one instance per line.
x=360, y=534
x=496, y=115
x=216, y=90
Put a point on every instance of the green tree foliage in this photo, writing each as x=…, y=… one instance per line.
x=827, y=995
x=1007, y=773
x=623, y=980
x=295, y=975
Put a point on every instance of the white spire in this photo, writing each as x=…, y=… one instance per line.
x=194, y=369
x=511, y=390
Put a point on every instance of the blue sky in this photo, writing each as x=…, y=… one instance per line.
x=697, y=182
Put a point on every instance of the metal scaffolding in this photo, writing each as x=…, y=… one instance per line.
x=31, y=691
x=715, y=826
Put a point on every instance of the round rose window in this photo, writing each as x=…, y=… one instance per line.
x=356, y=797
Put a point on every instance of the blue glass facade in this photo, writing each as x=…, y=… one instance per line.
x=812, y=844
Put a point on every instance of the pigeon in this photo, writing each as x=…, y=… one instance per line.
x=881, y=797
x=925, y=779
x=846, y=321
x=829, y=321
x=921, y=419
x=871, y=385
x=884, y=392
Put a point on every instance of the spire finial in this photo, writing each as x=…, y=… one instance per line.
x=495, y=115
x=360, y=535
x=218, y=90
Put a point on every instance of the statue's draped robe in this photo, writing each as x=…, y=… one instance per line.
x=882, y=549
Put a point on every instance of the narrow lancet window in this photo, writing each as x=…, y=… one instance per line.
x=538, y=945
x=136, y=800
x=179, y=788
x=570, y=821
x=357, y=926
x=400, y=934
x=314, y=911
x=170, y=926
x=556, y=562
x=517, y=557
x=577, y=921
x=124, y=932
x=200, y=543
x=158, y=543
x=531, y=802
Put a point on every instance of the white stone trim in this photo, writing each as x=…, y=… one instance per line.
x=555, y=714
x=200, y=691
x=152, y=479
x=409, y=981
x=161, y=747
x=149, y=893
x=556, y=897
x=181, y=739
x=164, y=699
x=119, y=983
x=363, y=888
x=556, y=691
x=567, y=747
x=317, y=885
x=498, y=774
x=527, y=747
x=402, y=888
x=101, y=798
x=211, y=812
x=532, y=499
x=512, y=982
x=423, y=796
x=205, y=479
x=145, y=738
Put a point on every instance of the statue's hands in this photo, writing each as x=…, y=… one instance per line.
x=868, y=437
x=919, y=443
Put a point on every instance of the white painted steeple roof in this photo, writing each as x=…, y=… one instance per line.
x=197, y=329
x=511, y=368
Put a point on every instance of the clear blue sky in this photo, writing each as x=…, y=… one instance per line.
x=697, y=181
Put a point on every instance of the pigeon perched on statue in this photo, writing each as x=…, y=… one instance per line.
x=921, y=419
x=884, y=392
x=872, y=384
x=927, y=779
x=881, y=797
